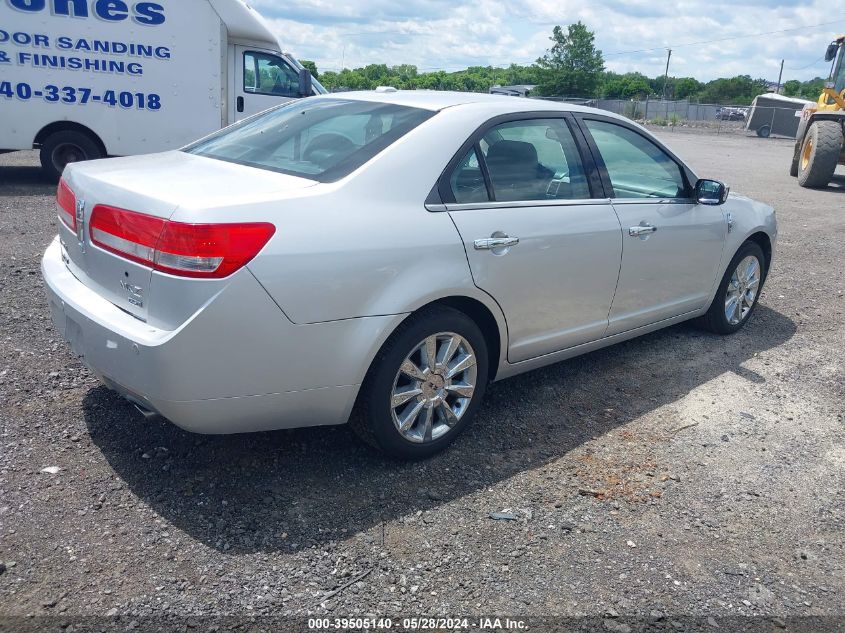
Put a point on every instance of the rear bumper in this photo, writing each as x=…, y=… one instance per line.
x=237, y=365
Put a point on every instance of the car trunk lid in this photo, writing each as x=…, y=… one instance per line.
x=154, y=185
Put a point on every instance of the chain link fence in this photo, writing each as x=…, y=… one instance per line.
x=765, y=120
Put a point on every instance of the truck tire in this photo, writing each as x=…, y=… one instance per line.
x=67, y=146
x=820, y=153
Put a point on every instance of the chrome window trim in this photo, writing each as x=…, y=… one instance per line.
x=653, y=201
x=520, y=204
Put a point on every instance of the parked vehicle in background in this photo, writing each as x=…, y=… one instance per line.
x=820, y=142
x=394, y=250
x=81, y=80
x=523, y=90
x=731, y=114
x=774, y=114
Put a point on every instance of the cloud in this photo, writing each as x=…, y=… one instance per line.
x=709, y=39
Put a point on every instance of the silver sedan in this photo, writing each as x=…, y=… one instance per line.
x=380, y=257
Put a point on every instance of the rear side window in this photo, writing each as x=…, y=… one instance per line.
x=467, y=181
x=316, y=138
x=637, y=168
x=535, y=159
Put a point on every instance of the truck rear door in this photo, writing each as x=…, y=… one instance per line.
x=263, y=79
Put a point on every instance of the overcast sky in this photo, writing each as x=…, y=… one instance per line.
x=452, y=34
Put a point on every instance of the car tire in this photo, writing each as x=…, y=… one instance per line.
x=379, y=423
x=764, y=131
x=720, y=318
x=68, y=146
x=819, y=154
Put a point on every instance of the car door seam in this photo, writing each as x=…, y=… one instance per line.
x=619, y=272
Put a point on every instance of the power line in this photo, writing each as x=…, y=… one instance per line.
x=727, y=39
x=820, y=59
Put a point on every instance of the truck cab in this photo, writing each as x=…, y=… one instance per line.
x=86, y=79
x=263, y=78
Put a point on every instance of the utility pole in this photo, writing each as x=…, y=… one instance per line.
x=666, y=74
x=780, y=76
x=666, y=82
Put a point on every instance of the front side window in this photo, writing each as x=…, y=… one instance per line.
x=528, y=160
x=269, y=75
x=318, y=138
x=637, y=168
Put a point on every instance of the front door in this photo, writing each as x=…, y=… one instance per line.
x=537, y=240
x=262, y=80
x=672, y=247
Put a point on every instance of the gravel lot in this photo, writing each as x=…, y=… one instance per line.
x=677, y=474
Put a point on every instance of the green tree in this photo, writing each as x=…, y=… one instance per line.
x=573, y=66
x=625, y=86
x=311, y=66
x=686, y=87
x=792, y=88
x=739, y=90
x=813, y=88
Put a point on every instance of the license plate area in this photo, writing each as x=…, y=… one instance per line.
x=75, y=337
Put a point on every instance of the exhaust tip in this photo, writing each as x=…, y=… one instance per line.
x=148, y=414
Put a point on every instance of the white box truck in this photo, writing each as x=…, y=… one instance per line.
x=84, y=79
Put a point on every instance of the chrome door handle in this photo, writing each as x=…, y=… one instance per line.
x=643, y=229
x=490, y=243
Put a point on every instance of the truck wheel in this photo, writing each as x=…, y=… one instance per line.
x=69, y=146
x=819, y=154
x=764, y=131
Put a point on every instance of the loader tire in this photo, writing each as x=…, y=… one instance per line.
x=796, y=156
x=820, y=153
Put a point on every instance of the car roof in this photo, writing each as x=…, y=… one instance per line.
x=439, y=100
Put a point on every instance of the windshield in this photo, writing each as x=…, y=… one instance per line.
x=317, y=138
x=838, y=74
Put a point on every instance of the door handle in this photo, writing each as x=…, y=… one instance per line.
x=490, y=243
x=643, y=229
x=240, y=104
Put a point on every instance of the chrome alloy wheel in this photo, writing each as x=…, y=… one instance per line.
x=433, y=387
x=742, y=290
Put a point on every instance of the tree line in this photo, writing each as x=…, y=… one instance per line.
x=572, y=67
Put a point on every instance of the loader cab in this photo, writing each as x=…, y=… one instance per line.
x=836, y=54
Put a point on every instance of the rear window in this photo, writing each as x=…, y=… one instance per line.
x=316, y=138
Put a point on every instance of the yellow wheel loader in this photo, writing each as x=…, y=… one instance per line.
x=820, y=143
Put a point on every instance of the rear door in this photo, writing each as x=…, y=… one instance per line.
x=263, y=79
x=672, y=246
x=538, y=239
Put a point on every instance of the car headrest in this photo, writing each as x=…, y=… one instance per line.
x=512, y=154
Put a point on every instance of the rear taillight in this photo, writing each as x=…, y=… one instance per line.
x=66, y=203
x=187, y=250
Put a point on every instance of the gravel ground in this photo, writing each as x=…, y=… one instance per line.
x=677, y=474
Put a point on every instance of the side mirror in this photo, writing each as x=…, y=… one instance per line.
x=305, y=87
x=830, y=53
x=711, y=192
